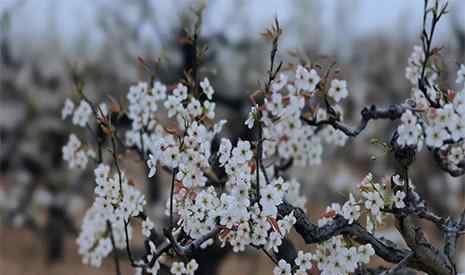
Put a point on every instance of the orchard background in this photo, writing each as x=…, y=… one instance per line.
x=54, y=51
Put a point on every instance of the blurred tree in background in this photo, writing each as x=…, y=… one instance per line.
x=44, y=54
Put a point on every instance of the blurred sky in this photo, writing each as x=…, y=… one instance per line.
x=38, y=20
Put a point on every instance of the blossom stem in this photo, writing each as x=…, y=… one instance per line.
x=258, y=158
x=175, y=170
x=128, y=248
x=115, y=252
x=270, y=256
x=115, y=160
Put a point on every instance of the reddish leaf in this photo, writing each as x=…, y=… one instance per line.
x=329, y=214
x=274, y=224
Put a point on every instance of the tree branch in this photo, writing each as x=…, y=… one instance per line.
x=115, y=251
x=312, y=233
x=373, y=112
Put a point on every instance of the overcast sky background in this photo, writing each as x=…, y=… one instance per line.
x=37, y=20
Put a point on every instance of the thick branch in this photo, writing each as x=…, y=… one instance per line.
x=312, y=233
x=444, y=165
x=193, y=246
x=373, y=112
x=454, y=229
x=427, y=258
x=186, y=250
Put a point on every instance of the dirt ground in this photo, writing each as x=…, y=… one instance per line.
x=21, y=253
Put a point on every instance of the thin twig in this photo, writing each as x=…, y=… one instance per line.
x=398, y=266
x=270, y=256
x=128, y=248
x=173, y=181
x=115, y=251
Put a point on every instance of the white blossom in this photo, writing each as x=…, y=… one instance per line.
x=67, y=109
x=283, y=268
x=178, y=268
x=306, y=80
x=82, y=114
x=461, y=74
x=207, y=88
x=152, y=165
x=399, y=199
x=338, y=90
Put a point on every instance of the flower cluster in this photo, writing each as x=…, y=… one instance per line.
x=415, y=66
x=303, y=263
x=179, y=268
x=374, y=197
x=245, y=211
x=440, y=126
x=410, y=132
x=284, y=132
x=116, y=201
x=75, y=153
x=191, y=115
x=333, y=257
x=186, y=149
x=242, y=221
x=143, y=104
x=81, y=114
x=229, y=190
x=246, y=224
x=339, y=257
x=377, y=196
x=152, y=268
